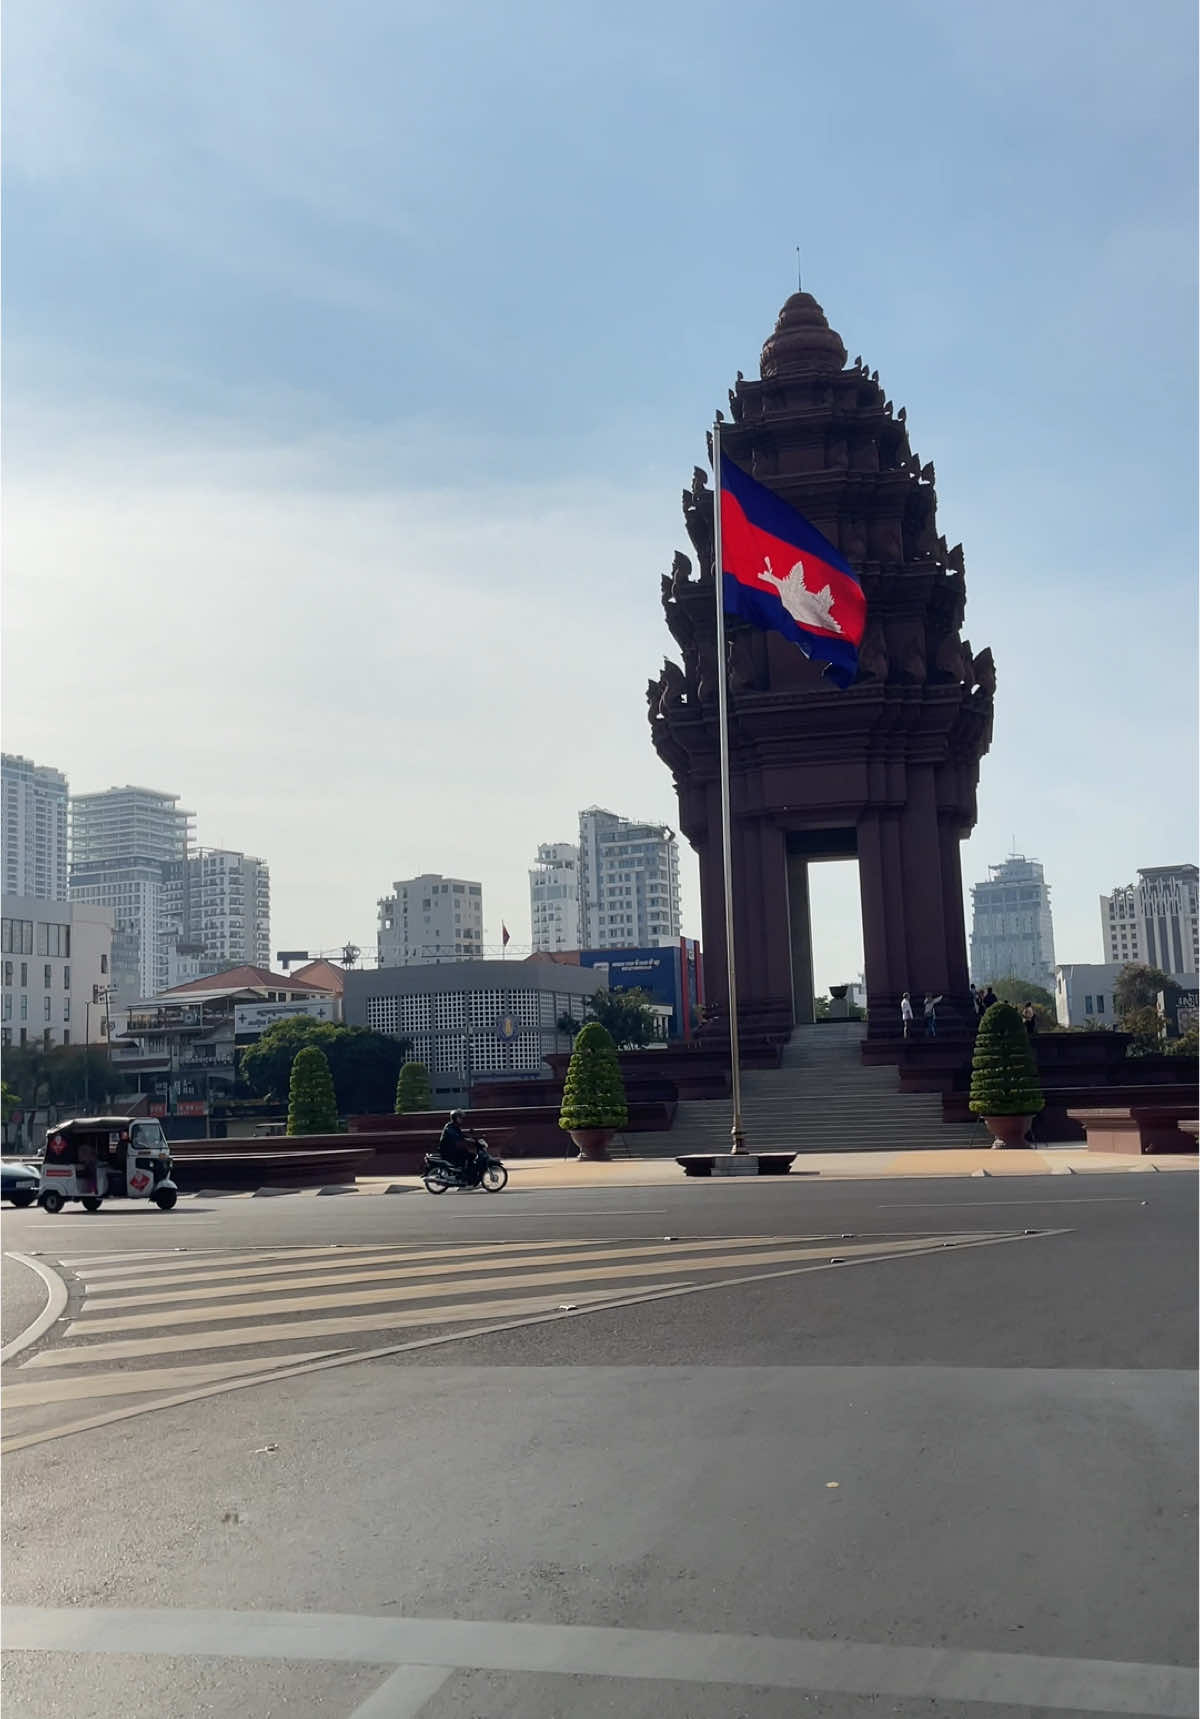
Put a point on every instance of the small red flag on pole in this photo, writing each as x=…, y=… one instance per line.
x=505, y=939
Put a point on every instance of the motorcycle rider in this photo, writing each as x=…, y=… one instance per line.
x=457, y=1147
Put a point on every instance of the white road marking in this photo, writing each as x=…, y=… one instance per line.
x=245, y=1264
x=404, y=1693
x=52, y=1307
x=331, y=1271
x=450, y=1313
x=282, y=1370
x=943, y=1674
x=269, y=1304
x=129, y=1383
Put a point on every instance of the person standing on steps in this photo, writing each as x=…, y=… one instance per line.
x=906, y=1013
x=931, y=1004
x=989, y=997
x=1029, y=1016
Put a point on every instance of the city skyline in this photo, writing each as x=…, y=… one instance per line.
x=374, y=478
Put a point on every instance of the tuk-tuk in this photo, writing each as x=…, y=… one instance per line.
x=97, y=1158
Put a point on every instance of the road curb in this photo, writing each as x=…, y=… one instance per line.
x=56, y=1301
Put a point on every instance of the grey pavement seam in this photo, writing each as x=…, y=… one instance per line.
x=56, y=1301
x=846, y=1667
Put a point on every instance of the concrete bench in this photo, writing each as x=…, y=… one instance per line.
x=1135, y=1129
x=737, y=1164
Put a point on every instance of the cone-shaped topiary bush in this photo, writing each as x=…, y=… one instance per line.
x=594, y=1092
x=312, y=1103
x=413, y=1091
x=1004, y=1076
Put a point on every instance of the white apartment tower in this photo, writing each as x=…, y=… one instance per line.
x=628, y=882
x=1012, y=932
x=431, y=918
x=33, y=816
x=1154, y=921
x=122, y=841
x=218, y=902
x=554, y=898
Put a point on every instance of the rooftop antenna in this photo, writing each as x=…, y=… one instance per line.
x=799, y=281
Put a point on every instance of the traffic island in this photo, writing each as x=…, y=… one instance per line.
x=737, y=1164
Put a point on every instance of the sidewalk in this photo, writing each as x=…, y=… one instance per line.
x=829, y=1166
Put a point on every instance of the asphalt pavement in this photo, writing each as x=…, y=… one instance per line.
x=734, y=1448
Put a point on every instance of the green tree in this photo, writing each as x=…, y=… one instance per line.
x=312, y=1103
x=1018, y=992
x=413, y=1091
x=1004, y=1076
x=594, y=1092
x=364, y=1064
x=627, y=1015
x=8, y=1100
x=1135, y=998
x=64, y=1075
x=1137, y=987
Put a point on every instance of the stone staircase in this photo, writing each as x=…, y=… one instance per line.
x=822, y=1099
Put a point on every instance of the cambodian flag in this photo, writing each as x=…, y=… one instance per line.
x=780, y=573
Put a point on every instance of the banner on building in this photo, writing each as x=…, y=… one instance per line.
x=257, y=1017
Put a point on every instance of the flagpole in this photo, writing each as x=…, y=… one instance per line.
x=736, y=1133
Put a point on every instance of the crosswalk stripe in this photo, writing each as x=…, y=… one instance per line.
x=454, y=1313
x=374, y=1271
x=155, y=1253
x=130, y=1383
x=425, y=1290
x=197, y=1269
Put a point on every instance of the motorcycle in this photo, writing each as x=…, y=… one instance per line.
x=484, y=1171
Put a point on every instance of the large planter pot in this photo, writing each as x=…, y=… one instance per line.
x=593, y=1143
x=1008, y=1131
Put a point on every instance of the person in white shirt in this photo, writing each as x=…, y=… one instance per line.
x=906, y=1012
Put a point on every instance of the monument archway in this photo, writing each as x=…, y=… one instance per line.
x=885, y=771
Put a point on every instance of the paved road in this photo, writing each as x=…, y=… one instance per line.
x=951, y=1473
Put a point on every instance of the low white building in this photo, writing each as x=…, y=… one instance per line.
x=1083, y=993
x=56, y=965
x=429, y=919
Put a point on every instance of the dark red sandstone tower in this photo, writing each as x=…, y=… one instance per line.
x=885, y=771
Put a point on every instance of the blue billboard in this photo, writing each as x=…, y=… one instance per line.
x=670, y=976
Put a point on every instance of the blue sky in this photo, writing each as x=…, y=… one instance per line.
x=356, y=357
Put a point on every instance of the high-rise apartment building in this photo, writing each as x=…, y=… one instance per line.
x=33, y=817
x=1154, y=921
x=1012, y=931
x=628, y=882
x=431, y=918
x=217, y=902
x=554, y=898
x=122, y=841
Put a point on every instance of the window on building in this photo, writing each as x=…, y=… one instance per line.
x=1099, y=1005
x=24, y=1036
x=1087, y=1006
x=24, y=974
x=66, y=978
x=6, y=1037
x=8, y=972
x=7, y=1005
x=47, y=976
x=45, y=1008
x=104, y=963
